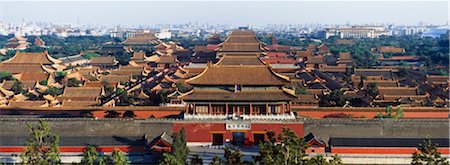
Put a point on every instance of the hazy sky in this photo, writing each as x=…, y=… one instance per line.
x=227, y=12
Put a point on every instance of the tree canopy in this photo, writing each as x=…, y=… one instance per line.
x=42, y=146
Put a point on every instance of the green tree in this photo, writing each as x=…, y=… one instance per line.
x=128, y=114
x=90, y=156
x=233, y=157
x=53, y=91
x=163, y=97
x=43, y=82
x=372, y=89
x=119, y=158
x=73, y=82
x=5, y=76
x=183, y=88
x=112, y=114
x=169, y=159
x=427, y=153
x=335, y=98
x=300, y=89
x=319, y=159
x=390, y=113
x=179, y=150
x=196, y=160
x=289, y=150
x=42, y=146
x=59, y=76
x=17, y=87
x=216, y=160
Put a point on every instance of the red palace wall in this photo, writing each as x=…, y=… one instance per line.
x=372, y=114
x=380, y=150
x=202, y=131
x=65, y=149
x=140, y=114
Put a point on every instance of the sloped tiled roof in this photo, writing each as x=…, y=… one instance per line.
x=238, y=75
x=240, y=60
x=31, y=58
x=253, y=95
x=397, y=91
x=103, y=60
x=142, y=39
x=19, y=68
x=33, y=76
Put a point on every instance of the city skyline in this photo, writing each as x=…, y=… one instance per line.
x=242, y=13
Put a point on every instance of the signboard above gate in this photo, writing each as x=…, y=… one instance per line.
x=238, y=126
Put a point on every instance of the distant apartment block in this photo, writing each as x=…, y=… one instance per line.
x=355, y=32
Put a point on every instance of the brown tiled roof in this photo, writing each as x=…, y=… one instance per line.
x=224, y=95
x=242, y=33
x=385, y=73
x=304, y=53
x=80, y=94
x=316, y=91
x=167, y=60
x=76, y=103
x=380, y=83
x=398, y=58
x=236, y=47
x=280, y=48
x=26, y=103
x=405, y=91
x=242, y=39
x=351, y=94
x=390, y=49
x=323, y=48
x=103, y=60
x=200, y=49
x=240, y=60
x=315, y=60
x=33, y=76
x=93, y=84
x=138, y=55
x=19, y=68
x=307, y=98
x=422, y=98
x=345, y=56
x=329, y=68
x=26, y=84
x=128, y=70
x=31, y=58
x=115, y=78
x=238, y=75
x=142, y=38
x=435, y=78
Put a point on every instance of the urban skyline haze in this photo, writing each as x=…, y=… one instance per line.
x=255, y=13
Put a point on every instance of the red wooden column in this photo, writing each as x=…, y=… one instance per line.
x=282, y=109
x=187, y=109
x=289, y=108
x=193, y=107
x=251, y=109
x=210, y=109
x=267, y=108
x=226, y=108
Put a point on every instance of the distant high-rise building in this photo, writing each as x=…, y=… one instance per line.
x=355, y=32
